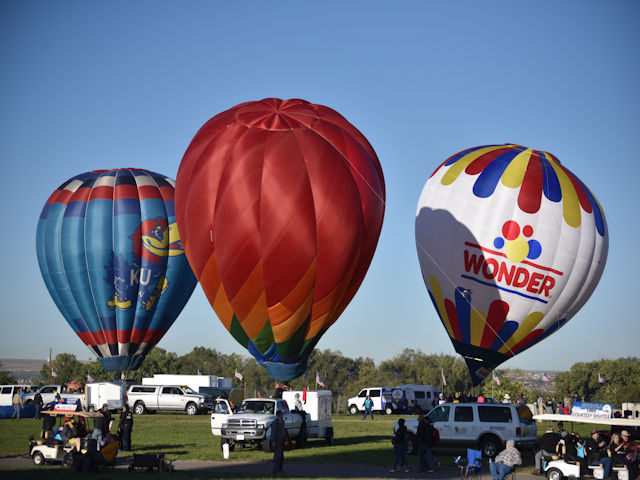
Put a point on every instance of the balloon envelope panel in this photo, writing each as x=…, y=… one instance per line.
x=280, y=206
x=112, y=260
x=511, y=244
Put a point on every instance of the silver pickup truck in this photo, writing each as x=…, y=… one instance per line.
x=143, y=398
x=249, y=425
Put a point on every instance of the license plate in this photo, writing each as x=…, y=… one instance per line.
x=239, y=437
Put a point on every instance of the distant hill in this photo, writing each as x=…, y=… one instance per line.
x=26, y=370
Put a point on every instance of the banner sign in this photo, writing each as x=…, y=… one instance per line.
x=592, y=410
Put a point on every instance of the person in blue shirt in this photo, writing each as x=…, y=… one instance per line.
x=368, y=407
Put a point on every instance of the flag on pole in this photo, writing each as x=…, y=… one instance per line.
x=397, y=374
x=444, y=380
x=122, y=376
x=304, y=394
x=199, y=373
x=89, y=378
x=54, y=374
x=544, y=377
x=601, y=379
x=319, y=380
x=496, y=379
x=238, y=375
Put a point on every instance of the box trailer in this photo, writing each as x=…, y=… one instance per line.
x=113, y=394
x=318, y=406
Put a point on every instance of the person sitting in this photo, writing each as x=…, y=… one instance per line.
x=561, y=431
x=548, y=443
x=596, y=452
x=70, y=433
x=506, y=461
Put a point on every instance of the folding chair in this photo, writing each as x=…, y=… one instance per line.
x=470, y=466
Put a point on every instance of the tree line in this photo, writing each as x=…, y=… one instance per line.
x=345, y=376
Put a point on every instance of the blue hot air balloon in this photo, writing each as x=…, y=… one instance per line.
x=111, y=256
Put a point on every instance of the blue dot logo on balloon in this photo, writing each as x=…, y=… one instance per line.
x=516, y=247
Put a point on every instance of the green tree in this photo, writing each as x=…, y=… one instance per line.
x=67, y=368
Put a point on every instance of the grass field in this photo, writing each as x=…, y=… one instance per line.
x=184, y=437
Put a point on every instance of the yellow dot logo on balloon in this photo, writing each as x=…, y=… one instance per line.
x=517, y=247
x=517, y=250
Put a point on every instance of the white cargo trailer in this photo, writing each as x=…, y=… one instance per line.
x=113, y=394
x=318, y=406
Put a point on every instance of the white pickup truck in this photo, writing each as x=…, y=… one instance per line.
x=249, y=425
x=48, y=394
x=153, y=398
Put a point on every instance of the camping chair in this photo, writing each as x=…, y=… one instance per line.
x=470, y=466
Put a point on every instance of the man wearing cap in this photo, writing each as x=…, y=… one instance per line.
x=596, y=452
x=506, y=461
x=632, y=464
x=548, y=444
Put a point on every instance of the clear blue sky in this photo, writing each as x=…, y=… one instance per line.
x=94, y=85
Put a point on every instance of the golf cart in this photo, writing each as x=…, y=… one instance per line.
x=51, y=451
x=558, y=469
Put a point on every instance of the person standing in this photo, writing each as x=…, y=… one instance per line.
x=276, y=439
x=400, y=448
x=125, y=426
x=540, y=406
x=17, y=403
x=368, y=407
x=506, y=461
x=37, y=402
x=426, y=440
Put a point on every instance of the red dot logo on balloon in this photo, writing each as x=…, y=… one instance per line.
x=514, y=240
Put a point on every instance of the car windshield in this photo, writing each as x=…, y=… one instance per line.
x=256, y=406
x=189, y=390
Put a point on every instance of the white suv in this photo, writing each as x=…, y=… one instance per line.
x=484, y=425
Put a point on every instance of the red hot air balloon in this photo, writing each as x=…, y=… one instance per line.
x=279, y=207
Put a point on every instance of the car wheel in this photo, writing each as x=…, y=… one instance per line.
x=266, y=445
x=388, y=410
x=490, y=446
x=412, y=447
x=139, y=408
x=232, y=445
x=329, y=435
x=353, y=410
x=38, y=458
x=191, y=409
x=554, y=474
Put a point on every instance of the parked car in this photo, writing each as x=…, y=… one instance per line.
x=486, y=426
x=152, y=398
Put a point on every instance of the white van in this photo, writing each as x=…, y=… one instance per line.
x=425, y=397
x=7, y=391
x=385, y=399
